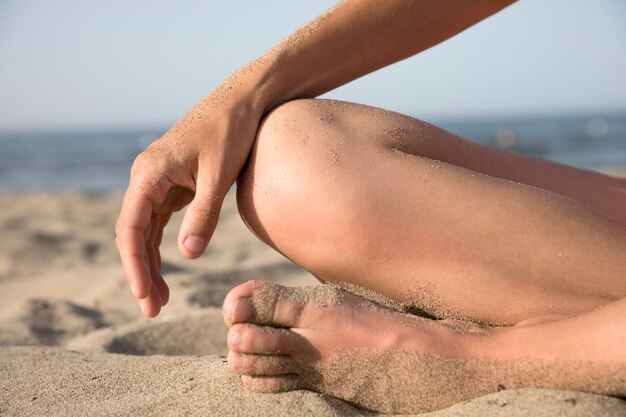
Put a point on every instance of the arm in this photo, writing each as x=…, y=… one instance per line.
x=358, y=37
x=198, y=160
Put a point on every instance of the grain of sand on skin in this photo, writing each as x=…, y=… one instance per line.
x=61, y=284
x=411, y=382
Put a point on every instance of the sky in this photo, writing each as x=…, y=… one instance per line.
x=68, y=64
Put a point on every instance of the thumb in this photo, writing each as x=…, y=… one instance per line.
x=201, y=218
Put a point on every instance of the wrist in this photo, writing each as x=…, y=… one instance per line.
x=260, y=86
x=268, y=82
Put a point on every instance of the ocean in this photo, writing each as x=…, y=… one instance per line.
x=100, y=161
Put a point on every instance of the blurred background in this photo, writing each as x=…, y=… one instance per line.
x=85, y=86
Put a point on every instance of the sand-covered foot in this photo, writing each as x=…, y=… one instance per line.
x=281, y=337
x=331, y=341
x=315, y=322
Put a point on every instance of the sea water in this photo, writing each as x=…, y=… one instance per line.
x=100, y=161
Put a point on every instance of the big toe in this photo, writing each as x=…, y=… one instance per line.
x=271, y=304
x=293, y=307
x=237, y=306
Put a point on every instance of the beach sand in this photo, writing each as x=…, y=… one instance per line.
x=73, y=340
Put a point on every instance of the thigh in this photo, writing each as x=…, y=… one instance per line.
x=338, y=188
x=603, y=193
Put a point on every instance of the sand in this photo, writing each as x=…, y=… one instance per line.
x=73, y=341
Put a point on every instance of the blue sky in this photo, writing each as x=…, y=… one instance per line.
x=78, y=64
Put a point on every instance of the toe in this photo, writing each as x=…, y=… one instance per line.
x=235, y=303
x=261, y=365
x=271, y=304
x=290, y=307
x=271, y=383
x=250, y=338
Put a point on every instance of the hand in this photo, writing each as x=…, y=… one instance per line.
x=194, y=163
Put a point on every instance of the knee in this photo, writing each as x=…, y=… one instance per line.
x=283, y=169
x=292, y=190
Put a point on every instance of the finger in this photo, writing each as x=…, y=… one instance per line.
x=161, y=226
x=151, y=305
x=162, y=288
x=150, y=246
x=131, y=227
x=201, y=217
x=154, y=261
x=163, y=219
x=159, y=260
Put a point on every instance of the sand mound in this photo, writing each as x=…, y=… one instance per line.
x=217, y=284
x=197, y=333
x=48, y=322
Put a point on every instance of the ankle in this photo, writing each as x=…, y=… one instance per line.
x=452, y=339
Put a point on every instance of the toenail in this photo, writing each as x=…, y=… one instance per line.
x=242, y=311
x=235, y=339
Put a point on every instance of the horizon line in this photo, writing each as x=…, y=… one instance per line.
x=441, y=118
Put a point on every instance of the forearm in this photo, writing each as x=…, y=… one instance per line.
x=352, y=39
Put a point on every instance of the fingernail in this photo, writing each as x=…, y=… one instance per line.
x=133, y=289
x=143, y=309
x=194, y=244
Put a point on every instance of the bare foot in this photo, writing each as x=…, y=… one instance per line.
x=278, y=335
x=315, y=322
x=331, y=341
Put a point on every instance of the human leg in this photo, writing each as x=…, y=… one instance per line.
x=600, y=192
x=331, y=186
x=339, y=189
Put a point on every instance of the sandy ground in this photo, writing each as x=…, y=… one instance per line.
x=73, y=341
